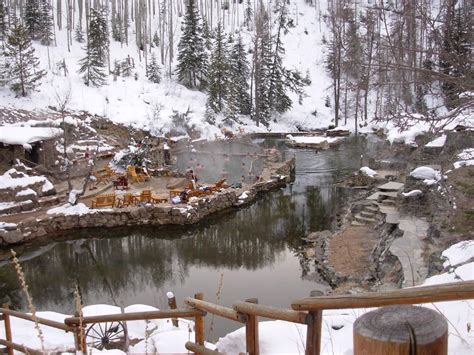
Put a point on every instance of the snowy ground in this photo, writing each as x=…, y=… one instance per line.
x=276, y=337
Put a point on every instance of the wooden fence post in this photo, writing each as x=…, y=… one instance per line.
x=396, y=330
x=199, y=326
x=314, y=328
x=251, y=331
x=172, y=305
x=8, y=328
x=80, y=336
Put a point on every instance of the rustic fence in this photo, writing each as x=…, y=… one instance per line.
x=307, y=311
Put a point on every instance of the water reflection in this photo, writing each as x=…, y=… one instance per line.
x=258, y=249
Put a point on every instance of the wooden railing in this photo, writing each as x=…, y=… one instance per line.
x=308, y=311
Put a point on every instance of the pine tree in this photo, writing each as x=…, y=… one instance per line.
x=282, y=79
x=3, y=21
x=94, y=63
x=21, y=62
x=248, y=14
x=78, y=34
x=261, y=64
x=192, y=56
x=153, y=71
x=45, y=30
x=218, y=72
x=32, y=16
x=207, y=35
x=238, y=93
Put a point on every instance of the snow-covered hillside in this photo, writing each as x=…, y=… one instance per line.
x=134, y=100
x=131, y=101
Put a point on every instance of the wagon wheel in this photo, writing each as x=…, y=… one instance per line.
x=106, y=335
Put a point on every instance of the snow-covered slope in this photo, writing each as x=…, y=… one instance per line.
x=133, y=102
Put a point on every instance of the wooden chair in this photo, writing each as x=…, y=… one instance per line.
x=158, y=199
x=145, y=197
x=110, y=173
x=106, y=200
x=133, y=174
x=219, y=185
x=127, y=200
x=100, y=178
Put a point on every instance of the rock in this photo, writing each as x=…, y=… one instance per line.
x=11, y=237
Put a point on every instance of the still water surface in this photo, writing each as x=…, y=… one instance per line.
x=252, y=252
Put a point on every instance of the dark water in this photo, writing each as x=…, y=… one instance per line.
x=252, y=252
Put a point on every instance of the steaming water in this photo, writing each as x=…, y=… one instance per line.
x=253, y=252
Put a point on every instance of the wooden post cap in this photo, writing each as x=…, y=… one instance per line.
x=401, y=330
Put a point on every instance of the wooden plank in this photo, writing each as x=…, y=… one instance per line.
x=447, y=292
x=8, y=328
x=185, y=313
x=216, y=309
x=251, y=332
x=44, y=321
x=172, y=305
x=199, y=349
x=199, y=324
x=19, y=347
x=271, y=312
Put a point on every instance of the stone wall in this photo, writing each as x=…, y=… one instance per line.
x=154, y=215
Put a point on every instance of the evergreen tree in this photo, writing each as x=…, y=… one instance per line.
x=282, y=79
x=218, y=72
x=78, y=34
x=32, y=15
x=45, y=30
x=192, y=56
x=238, y=93
x=94, y=63
x=3, y=21
x=207, y=35
x=21, y=62
x=261, y=63
x=153, y=71
x=248, y=14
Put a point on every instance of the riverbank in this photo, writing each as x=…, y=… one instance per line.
x=274, y=176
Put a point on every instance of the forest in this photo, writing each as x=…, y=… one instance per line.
x=399, y=61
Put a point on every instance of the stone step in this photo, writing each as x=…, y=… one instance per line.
x=392, y=218
x=357, y=224
x=388, y=202
x=388, y=194
x=361, y=219
x=373, y=208
x=391, y=186
x=368, y=214
x=50, y=201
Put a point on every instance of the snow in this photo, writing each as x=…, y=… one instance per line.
x=412, y=193
x=6, y=225
x=26, y=192
x=9, y=182
x=459, y=253
x=17, y=135
x=368, y=171
x=7, y=205
x=426, y=173
x=312, y=140
x=438, y=142
x=169, y=294
x=467, y=158
x=244, y=195
x=461, y=163
x=70, y=210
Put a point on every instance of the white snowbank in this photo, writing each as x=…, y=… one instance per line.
x=6, y=225
x=425, y=173
x=312, y=140
x=70, y=210
x=9, y=182
x=23, y=136
x=466, y=158
x=461, y=163
x=438, y=142
x=412, y=193
x=26, y=192
x=368, y=171
x=459, y=253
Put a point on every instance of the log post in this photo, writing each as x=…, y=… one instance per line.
x=396, y=330
x=8, y=328
x=199, y=326
x=314, y=329
x=251, y=331
x=172, y=304
x=80, y=336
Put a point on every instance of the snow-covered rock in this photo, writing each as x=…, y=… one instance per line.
x=68, y=209
x=24, y=136
x=438, y=142
x=368, y=171
x=425, y=173
x=412, y=193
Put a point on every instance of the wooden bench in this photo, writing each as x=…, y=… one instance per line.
x=107, y=200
